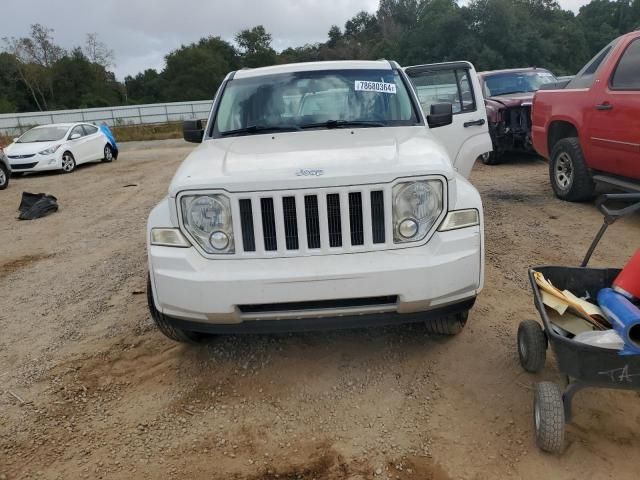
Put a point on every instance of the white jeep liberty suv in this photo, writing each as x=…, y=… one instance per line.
x=322, y=196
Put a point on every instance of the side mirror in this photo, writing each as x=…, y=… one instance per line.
x=192, y=131
x=74, y=136
x=441, y=114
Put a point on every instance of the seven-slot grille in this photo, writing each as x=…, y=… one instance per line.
x=311, y=222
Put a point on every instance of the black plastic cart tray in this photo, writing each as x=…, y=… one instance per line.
x=585, y=363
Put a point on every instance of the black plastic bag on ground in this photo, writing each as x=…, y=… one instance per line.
x=37, y=205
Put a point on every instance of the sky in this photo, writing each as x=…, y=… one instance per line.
x=141, y=37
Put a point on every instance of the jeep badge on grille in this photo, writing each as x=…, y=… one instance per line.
x=306, y=172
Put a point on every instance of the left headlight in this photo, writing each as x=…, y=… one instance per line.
x=416, y=207
x=50, y=150
x=208, y=220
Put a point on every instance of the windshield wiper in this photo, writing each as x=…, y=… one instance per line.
x=344, y=123
x=261, y=129
x=511, y=93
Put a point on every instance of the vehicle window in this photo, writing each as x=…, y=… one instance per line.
x=44, y=134
x=89, y=129
x=585, y=77
x=627, y=73
x=466, y=91
x=445, y=86
x=311, y=99
x=516, y=82
x=77, y=129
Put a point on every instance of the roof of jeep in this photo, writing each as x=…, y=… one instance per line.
x=314, y=66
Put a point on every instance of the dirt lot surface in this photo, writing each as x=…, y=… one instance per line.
x=89, y=389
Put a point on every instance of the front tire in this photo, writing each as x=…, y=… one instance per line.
x=568, y=172
x=449, y=325
x=108, y=154
x=492, y=158
x=169, y=331
x=4, y=177
x=548, y=417
x=68, y=162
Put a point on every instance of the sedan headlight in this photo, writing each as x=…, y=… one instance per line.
x=50, y=150
x=416, y=207
x=207, y=218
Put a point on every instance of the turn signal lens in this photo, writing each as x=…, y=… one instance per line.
x=460, y=219
x=168, y=237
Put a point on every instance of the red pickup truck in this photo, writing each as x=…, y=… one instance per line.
x=590, y=129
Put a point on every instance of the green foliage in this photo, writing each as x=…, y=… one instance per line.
x=195, y=71
x=35, y=73
x=255, y=47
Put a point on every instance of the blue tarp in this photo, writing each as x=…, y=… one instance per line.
x=112, y=140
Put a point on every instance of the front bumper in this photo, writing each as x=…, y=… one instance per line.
x=37, y=163
x=446, y=271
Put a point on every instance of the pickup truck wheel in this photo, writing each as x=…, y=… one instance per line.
x=491, y=158
x=570, y=177
x=174, y=333
x=450, y=325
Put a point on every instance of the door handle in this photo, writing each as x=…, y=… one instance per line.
x=474, y=123
x=604, y=106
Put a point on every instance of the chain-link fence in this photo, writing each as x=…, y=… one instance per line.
x=14, y=124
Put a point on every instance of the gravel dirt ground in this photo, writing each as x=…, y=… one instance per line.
x=89, y=389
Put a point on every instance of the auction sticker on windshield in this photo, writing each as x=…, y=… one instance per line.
x=380, y=87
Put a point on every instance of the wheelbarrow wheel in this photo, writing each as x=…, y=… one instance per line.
x=532, y=346
x=548, y=416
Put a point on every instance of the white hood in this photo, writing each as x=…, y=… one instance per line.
x=29, y=148
x=345, y=157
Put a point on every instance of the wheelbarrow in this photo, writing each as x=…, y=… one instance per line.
x=584, y=366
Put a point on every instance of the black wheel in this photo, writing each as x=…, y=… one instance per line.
x=68, y=162
x=532, y=346
x=450, y=325
x=174, y=333
x=108, y=153
x=4, y=177
x=570, y=177
x=548, y=416
x=492, y=158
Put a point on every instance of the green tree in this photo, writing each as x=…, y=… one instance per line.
x=145, y=87
x=195, y=71
x=255, y=47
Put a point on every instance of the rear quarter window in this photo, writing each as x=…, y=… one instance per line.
x=627, y=73
x=585, y=77
x=89, y=129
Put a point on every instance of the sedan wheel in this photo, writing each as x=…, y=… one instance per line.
x=68, y=163
x=108, y=153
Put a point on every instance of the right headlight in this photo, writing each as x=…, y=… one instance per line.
x=207, y=218
x=416, y=207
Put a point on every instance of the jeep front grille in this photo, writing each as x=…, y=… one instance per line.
x=297, y=222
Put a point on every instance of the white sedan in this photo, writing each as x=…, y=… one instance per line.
x=60, y=146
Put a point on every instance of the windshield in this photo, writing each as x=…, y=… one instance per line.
x=316, y=99
x=516, y=82
x=44, y=134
